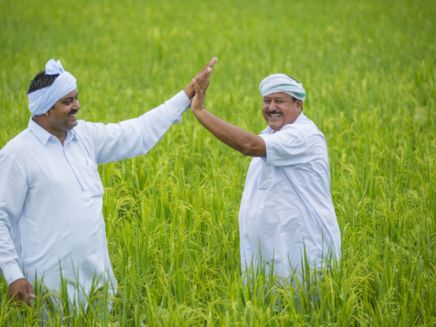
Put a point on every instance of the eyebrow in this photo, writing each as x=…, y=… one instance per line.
x=70, y=98
x=274, y=98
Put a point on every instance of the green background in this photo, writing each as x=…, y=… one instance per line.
x=171, y=216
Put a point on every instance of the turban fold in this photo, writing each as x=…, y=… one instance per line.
x=40, y=101
x=282, y=83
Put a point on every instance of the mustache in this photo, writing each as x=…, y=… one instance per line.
x=273, y=111
x=72, y=112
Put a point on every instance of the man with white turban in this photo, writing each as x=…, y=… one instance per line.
x=286, y=217
x=51, y=195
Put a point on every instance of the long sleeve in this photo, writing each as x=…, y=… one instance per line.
x=13, y=189
x=129, y=138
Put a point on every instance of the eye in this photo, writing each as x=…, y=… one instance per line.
x=69, y=101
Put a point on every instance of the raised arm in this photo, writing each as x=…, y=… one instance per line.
x=239, y=139
x=132, y=137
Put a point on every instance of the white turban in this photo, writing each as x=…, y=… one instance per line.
x=282, y=83
x=40, y=101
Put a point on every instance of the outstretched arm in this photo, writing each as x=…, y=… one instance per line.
x=239, y=139
x=132, y=137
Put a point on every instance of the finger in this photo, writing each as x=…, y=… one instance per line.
x=201, y=89
x=204, y=73
x=31, y=298
x=212, y=62
x=197, y=88
x=202, y=80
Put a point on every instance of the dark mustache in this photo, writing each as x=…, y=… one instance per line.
x=72, y=112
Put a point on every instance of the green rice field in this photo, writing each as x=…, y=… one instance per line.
x=172, y=215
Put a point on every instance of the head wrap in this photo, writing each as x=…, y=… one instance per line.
x=282, y=83
x=40, y=101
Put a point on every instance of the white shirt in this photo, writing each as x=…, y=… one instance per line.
x=286, y=207
x=51, y=197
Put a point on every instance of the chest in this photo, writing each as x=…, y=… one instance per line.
x=63, y=167
x=263, y=179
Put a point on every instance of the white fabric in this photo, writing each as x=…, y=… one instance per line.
x=54, y=67
x=51, y=196
x=286, y=207
x=282, y=83
x=40, y=101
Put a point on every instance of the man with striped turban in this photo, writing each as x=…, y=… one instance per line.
x=287, y=220
x=51, y=195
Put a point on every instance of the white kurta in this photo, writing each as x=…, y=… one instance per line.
x=51, y=197
x=287, y=211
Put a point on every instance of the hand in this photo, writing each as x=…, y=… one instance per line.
x=202, y=75
x=201, y=83
x=200, y=88
x=21, y=290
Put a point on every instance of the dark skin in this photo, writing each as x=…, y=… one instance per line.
x=21, y=290
x=61, y=117
x=58, y=121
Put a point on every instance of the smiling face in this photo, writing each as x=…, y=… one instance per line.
x=62, y=116
x=280, y=109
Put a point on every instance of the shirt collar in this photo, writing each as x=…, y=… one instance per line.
x=44, y=136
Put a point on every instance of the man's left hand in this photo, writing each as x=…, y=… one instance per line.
x=201, y=77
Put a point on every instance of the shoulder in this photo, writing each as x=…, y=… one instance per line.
x=303, y=125
x=19, y=144
x=82, y=127
x=16, y=152
x=87, y=130
x=304, y=128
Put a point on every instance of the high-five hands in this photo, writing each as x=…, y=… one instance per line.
x=201, y=83
x=202, y=77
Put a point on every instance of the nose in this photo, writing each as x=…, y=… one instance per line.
x=76, y=104
x=272, y=106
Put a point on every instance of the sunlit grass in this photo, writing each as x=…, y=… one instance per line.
x=171, y=216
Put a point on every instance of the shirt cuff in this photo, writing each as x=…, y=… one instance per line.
x=177, y=105
x=12, y=272
x=181, y=100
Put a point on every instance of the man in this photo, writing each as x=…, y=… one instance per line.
x=286, y=215
x=51, y=195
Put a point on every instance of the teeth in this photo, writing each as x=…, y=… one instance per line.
x=274, y=115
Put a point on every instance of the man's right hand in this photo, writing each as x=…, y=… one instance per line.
x=21, y=290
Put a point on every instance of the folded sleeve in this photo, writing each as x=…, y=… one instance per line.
x=286, y=147
x=13, y=189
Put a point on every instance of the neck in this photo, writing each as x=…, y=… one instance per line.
x=42, y=120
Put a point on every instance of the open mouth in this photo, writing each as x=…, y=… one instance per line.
x=274, y=114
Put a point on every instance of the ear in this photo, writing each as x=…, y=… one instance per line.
x=300, y=105
x=48, y=112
